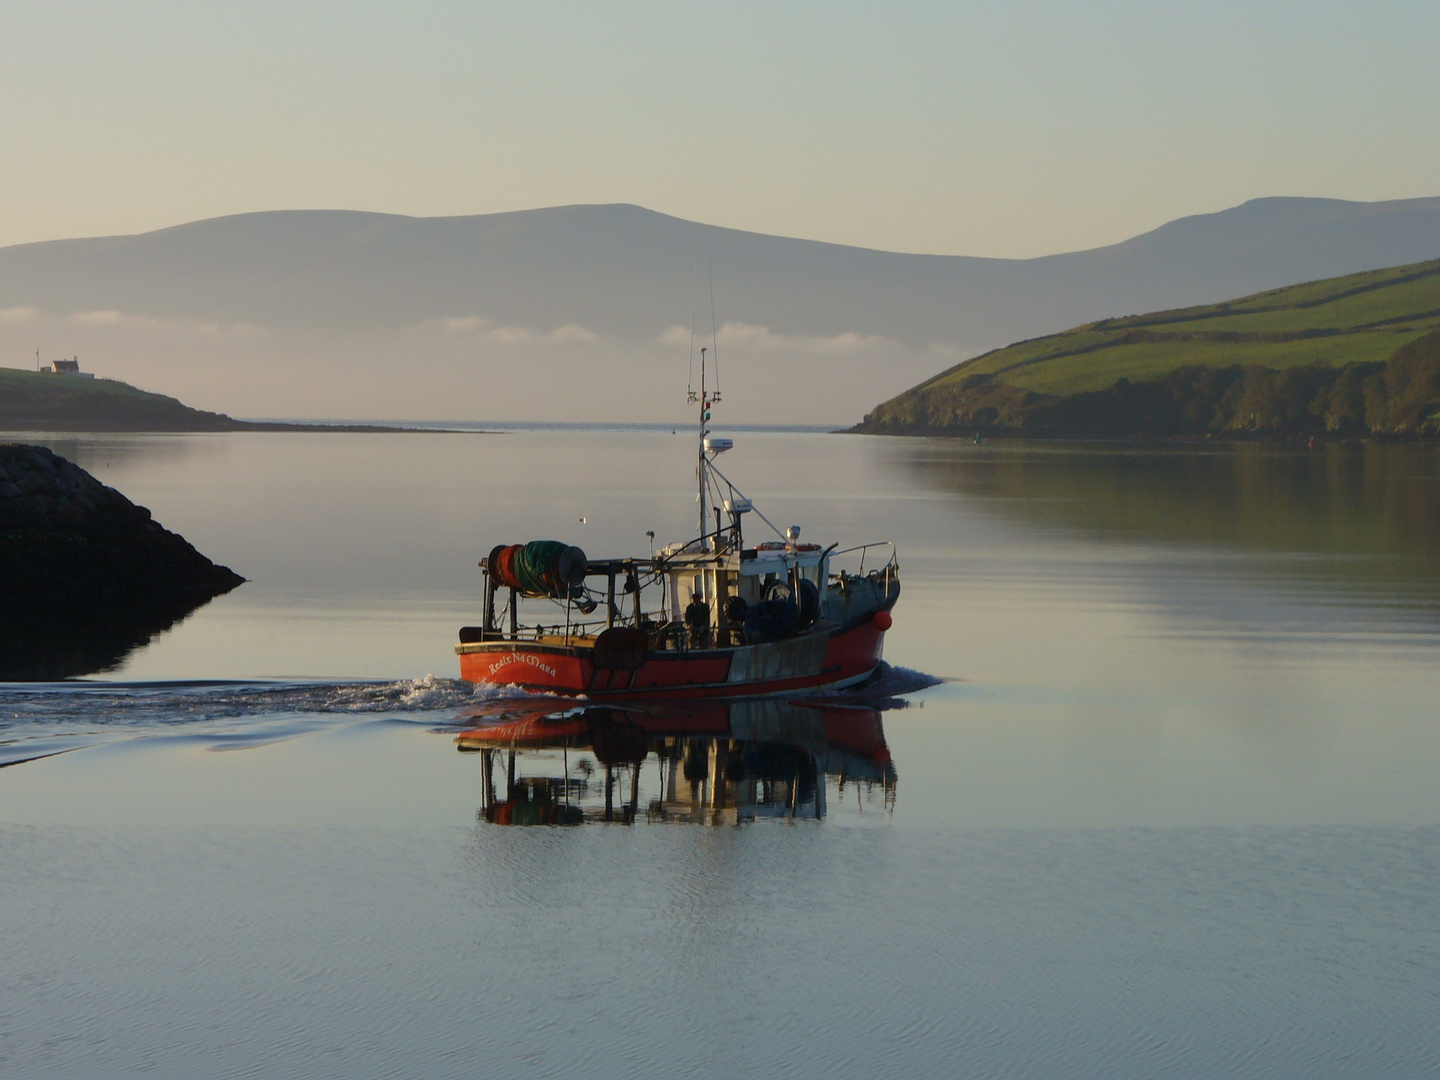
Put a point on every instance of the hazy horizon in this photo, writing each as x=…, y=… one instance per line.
x=583, y=313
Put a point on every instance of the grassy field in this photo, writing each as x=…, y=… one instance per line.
x=1323, y=326
x=34, y=384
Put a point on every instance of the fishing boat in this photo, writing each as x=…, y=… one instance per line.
x=711, y=617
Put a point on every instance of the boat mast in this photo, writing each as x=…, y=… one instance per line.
x=706, y=398
x=700, y=468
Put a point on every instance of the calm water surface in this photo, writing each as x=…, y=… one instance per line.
x=1174, y=811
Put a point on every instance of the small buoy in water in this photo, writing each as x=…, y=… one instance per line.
x=582, y=521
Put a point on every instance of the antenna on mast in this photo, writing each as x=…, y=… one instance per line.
x=690, y=371
x=705, y=398
x=700, y=463
x=714, y=335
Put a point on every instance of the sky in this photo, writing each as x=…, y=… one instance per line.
x=1005, y=129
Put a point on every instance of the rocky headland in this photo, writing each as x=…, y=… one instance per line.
x=85, y=574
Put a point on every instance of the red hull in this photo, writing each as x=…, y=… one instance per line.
x=808, y=662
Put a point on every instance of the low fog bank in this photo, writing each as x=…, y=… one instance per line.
x=468, y=376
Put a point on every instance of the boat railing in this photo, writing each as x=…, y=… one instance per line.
x=665, y=635
x=864, y=550
x=884, y=568
x=629, y=583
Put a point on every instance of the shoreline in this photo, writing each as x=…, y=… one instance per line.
x=1219, y=439
x=7, y=432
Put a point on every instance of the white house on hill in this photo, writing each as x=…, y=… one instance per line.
x=68, y=367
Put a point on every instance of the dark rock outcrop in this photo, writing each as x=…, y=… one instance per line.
x=85, y=574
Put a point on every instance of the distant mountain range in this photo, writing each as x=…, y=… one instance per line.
x=585, y=311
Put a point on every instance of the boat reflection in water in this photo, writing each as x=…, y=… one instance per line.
x=713, y=764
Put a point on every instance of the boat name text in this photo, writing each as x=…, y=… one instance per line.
x=521, y=658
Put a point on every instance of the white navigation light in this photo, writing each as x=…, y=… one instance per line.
x=716, y=445
x=793, y=533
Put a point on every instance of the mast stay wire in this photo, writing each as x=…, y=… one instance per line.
x=753, y=508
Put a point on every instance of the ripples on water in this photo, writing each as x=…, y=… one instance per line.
x=158, y=704
x=38, y=720
x=163, y=704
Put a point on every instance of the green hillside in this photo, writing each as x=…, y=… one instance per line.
x=1350, y=356
x=39, y=401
